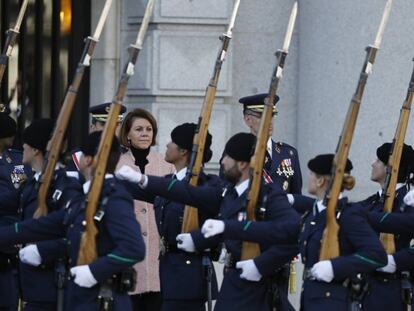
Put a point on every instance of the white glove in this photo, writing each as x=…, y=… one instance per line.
x=323, y=271
x=409, y=198
x=128, y=173
x=290, y=198
x=30, y=255
x=212, y=227
x=249, y=270
x=83, y=276
x=391, y=267
x=185, y=242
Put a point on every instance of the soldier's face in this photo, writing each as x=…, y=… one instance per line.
x=231, y=169
x=173, y=154
x=312, y=183
x=97, y=126
x=253, y=122
x=141, y=134
x=85, y=163
x=378, y=171
x=316, y=184
x=29, y=154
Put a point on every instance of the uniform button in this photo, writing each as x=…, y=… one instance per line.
x=69, y=260
x=188, y=262
x=304, y=259
x=144, y=233
x=84, y=223
x=71, y=226
x=328, y=294
x=144, y=211
x=305, y=242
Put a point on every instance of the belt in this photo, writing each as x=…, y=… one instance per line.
x=386, y=277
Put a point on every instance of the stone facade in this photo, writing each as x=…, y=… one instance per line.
x=320, y=76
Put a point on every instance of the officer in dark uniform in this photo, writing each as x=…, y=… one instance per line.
x=246, y=284
x=360, y=250
x=12, y=177
x=119, y=241
x=38, y=261
x=187, y=279
x=99, y=115
x=282, y=161
x=387, y=288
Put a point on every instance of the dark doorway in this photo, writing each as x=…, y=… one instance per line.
x=44, y=61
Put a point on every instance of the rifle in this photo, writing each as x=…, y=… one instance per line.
x=251, y=250
x=11, y=39
x=388, y=189
x=55, y=144
x=87, y=250
x=190, y=218
x=330, y=245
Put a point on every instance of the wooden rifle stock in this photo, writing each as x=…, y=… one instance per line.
x=190, y=218
x=388, y=191
x=330, y=245
x=251, y=250
x=87, y=250
x=11, y=40
x=55, y=144
x=62, y=122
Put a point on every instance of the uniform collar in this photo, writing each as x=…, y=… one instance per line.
x=36, y=176
x=241, y=188
x=87, y=184
x=180, y=175
x=319, y=203
x=397, y=187
x=269, y=146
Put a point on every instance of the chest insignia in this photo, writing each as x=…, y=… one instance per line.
x=285, y=168
x=18, y=176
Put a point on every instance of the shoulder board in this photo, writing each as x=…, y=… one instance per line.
x=285, y=145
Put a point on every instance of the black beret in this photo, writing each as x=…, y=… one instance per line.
x=100, y=112
x=322, y=164
x=256, y=102
x=407, y=155
x=182, y=135
x=240, y=147
x=8, y=126
x=91, y=144
x=38, y=133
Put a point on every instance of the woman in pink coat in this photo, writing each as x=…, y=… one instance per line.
x=138, y=134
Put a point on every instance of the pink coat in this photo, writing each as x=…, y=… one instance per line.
x=148, y=279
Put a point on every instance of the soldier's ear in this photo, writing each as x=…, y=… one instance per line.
x=88, y=160
x=320, y=181
x=247, y=119
x=243, y=165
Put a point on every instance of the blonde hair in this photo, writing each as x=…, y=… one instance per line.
x=348, y=181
